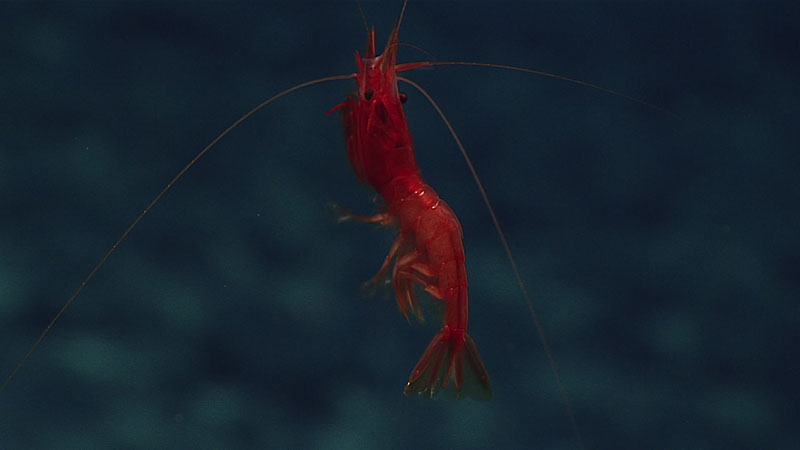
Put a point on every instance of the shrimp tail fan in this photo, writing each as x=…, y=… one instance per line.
x=451, y=364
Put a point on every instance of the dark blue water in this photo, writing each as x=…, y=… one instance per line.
x=662, y=252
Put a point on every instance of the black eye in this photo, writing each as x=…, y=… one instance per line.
x=368, y=93
x=403, y=97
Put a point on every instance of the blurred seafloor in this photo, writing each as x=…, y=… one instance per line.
x=662, y=253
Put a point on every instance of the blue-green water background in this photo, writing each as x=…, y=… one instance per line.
x=662, y=253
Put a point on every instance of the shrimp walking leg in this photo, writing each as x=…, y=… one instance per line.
x=344, y=215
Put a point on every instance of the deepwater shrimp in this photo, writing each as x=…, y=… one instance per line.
x=159, y=284
x=427, y=250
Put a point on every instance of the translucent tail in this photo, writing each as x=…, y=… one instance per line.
x=450, y=356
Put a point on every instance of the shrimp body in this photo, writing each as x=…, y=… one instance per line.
x=427, y=249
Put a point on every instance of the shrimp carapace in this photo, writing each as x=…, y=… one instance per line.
x=427, y=249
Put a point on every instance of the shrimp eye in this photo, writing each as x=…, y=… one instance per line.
x=368, y=93
x=403, y=97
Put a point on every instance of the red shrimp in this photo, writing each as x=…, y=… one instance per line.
x=427, y=249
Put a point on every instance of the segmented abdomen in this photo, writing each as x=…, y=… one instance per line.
x=433, y=254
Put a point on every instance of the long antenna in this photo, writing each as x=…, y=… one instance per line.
x=534, y=316
x=417, y=65
x=149, y=207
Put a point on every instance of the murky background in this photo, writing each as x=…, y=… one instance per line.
x=662, y=253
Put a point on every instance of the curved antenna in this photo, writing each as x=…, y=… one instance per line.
x=150, y=206
x=539, y=330
x=416, y=65
x=415, y=47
